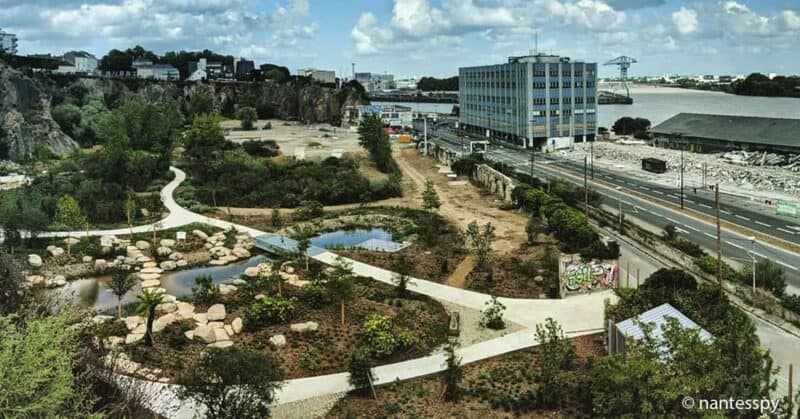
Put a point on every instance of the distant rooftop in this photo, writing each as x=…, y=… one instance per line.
x=744, y=129
x=658, y=318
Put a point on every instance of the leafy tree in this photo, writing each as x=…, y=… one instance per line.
x=428, y=84
x=13, y=294
x=340, y=283
x=303, y=236
x=247, y=116
x=430, y=199
x=276, y=73
x=4, y=146
x=233, y=383
x=492, y=315
x=631, y=126
x=21, y=210
x=204, y=137
x=360, y=371
x=40, y=372
x=69, y=215
x=401, y=282
x=480, y=239
x=200, y=103
x=452, y=374
x=374, y=139
x=121, y=282
x=670, y=233
x=557, y=355
x=148, y=300
x=130, y=212
x=68, y=117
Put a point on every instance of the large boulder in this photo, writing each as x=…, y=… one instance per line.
x=167, y=243
x=200, y=234
x=162, y=322
x=251, y=272
x=278, y=340
x=132, y=322
x=241, y=252
x=304, y=327
x=55, y=251
x=168, y=265
x=237, y=325
x=35, y=260
x=100, y=264
x=216, y=312
x=163, y=251
x=205, y=333
x=142, y=245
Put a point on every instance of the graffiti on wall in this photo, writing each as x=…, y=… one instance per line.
x=583, y=276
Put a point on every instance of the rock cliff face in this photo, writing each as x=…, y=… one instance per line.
x=25, y=117
x=25, y=103
x=309, y=103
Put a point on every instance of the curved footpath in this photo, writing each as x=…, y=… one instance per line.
x=577, y=315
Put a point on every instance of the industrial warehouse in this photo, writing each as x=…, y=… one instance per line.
x=715, y=133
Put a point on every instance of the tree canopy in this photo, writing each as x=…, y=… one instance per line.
x=435, y=84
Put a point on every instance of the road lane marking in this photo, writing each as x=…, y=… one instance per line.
x=763, y=224
x=724, y=212
x=681, y=230
x=645, y=188
x=656, y=214
x=786, y=265
x=695, y=229
x=673, y=196
x=658, y=192
x=743, y=217
x=734, y=245
x=688, y=200
x=672, y=221
x=706, y=206
x=786, y=231
x=710, y=235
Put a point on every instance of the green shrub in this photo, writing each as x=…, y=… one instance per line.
x=492, y=315
x=791, y=302
x=709, y=265
x=270, y=310
x=316, y=294
x=378, y=338
x=308, y=210
x=206, y=291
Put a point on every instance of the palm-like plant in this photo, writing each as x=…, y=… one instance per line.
x=148, y=300
x=121, y=283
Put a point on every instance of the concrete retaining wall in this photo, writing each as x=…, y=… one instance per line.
x=496, y=182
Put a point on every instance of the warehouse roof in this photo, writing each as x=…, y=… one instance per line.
x=658, y=318
x=743, y=129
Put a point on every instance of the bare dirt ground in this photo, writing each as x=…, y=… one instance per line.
x=458, y=278
x=461, y=204
x=315, y=141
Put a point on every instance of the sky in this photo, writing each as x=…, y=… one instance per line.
x=427, y=37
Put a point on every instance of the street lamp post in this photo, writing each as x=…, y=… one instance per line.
x=681, y=176
x=619, y=201
x=533, y=157
x=753, y=258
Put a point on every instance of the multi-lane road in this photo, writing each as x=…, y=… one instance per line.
x=647, y=205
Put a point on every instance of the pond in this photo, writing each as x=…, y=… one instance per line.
x=94, y=293
x=376, y=239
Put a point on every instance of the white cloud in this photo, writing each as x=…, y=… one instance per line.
x=685, y=21
x=160, y=25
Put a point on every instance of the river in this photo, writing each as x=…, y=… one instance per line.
x=661, y=103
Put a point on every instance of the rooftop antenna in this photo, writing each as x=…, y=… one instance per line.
x=354, y=70
x=536, y=41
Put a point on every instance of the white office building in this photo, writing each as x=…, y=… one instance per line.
x=8, y=42
x=322, y=76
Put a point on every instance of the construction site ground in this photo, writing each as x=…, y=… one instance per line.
x=316, y=141
x=626, y=158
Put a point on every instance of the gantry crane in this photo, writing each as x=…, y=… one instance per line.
x=624, y=63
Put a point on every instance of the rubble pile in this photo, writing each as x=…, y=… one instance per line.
x=749, y=170
x=744, y=158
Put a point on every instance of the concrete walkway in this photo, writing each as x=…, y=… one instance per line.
x=577, y=315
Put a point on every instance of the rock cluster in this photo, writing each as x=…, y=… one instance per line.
x=222, y=255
